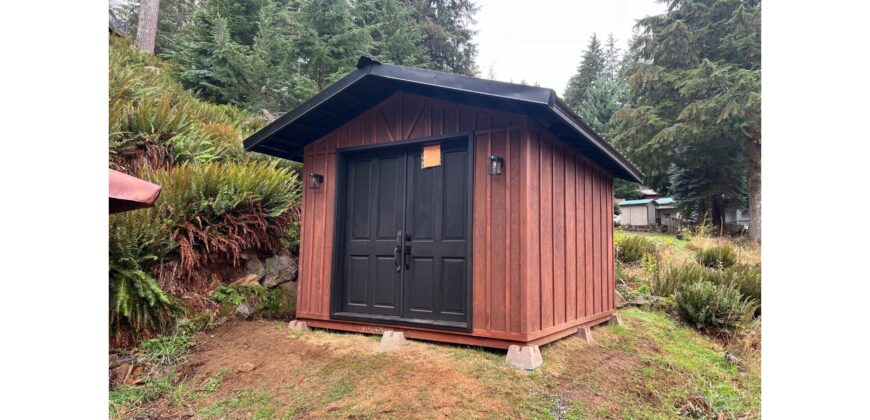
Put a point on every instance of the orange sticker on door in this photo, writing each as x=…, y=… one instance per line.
x=431, y=155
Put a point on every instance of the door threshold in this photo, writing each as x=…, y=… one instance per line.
x=399, y=321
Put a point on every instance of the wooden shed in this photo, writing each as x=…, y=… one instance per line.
x=450, y=208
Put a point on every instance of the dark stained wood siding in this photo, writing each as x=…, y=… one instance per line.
x=568, y=256
x=542, y=232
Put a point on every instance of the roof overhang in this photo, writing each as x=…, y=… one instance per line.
x=372, y=82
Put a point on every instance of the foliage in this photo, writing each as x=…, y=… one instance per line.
x=631, y=249
x=174, y=18
x=713, y=307
x=217, y=212
x=270, y=302
x=693, y=102
x=745, y=278
x=273, y=54
x=673, y=277
x=137, y=304
x=717, y=256
x=153, y=121
x=215, y=203
x=166, y=350
x=228, y=294
x=592, y=66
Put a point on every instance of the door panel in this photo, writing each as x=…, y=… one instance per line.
x=386, y=192
x=374, y=213
x=438, y=238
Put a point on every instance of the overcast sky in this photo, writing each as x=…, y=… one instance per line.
x=541, y=40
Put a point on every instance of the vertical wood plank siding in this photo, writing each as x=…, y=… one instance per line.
x=542, y=236
x=568, y=257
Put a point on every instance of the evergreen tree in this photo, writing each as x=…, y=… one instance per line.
x=273, y=54
x=612, y=59
x=396, y=38
x=329, y=43
x=447, y=34
x=592, y=66
x=175, y=17
x=601, y=102
x=694, y=104
x=242, y=18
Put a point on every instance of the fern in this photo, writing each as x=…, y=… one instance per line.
x=713, y=307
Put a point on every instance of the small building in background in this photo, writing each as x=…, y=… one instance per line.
x=649, y=212
x=666, y=212
x=637, y=212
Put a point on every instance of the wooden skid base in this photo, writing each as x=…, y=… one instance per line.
x=460, y=337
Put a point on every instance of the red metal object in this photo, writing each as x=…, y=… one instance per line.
x=130, y=193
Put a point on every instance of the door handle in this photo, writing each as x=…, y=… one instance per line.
x=397, y=252
x=407, y=251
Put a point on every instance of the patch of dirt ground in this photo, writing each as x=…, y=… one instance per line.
x=258, y=369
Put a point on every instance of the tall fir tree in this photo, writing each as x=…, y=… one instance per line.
x=396, y=37
x=447, y=34
x=329, y=42
x=694, y=102
x=592, y=65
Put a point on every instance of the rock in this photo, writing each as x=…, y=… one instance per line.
x=246, y=280
x=247, y=367
x=279, y=269
x=244, y=310
x=733, y=359
x=254, y=265
x=155, y=70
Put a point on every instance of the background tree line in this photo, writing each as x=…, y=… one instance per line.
x=273, y=54
x=684, y=104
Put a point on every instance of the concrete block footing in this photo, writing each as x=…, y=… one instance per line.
x=298, y=326
x=525, y=357
x=615, y=319
x=392, y=340
x=585, y=334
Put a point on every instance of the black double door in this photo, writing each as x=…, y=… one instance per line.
x=404, y=244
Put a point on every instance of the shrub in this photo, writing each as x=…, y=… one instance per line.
x=713, y=307
x=745, y=278
x=675, y=276
x=717, y=256
x=219, y=210
x=137, y=303
x=631, y=249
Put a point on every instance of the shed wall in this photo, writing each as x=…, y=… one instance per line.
x=568, y=256
x=495, y=274
x=542, y=231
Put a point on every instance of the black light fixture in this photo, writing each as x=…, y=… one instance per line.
x=315, y=181
x=496, y=165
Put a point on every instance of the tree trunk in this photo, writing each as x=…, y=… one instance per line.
x=753, y=180
x=146, y=34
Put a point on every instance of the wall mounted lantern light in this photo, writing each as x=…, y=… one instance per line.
x=315, y=181
x=496, y=165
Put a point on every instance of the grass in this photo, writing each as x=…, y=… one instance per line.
x=648, y=368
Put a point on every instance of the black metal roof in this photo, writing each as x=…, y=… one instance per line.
x=372, y=82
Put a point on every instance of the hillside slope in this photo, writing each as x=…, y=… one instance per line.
x=219, y=206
